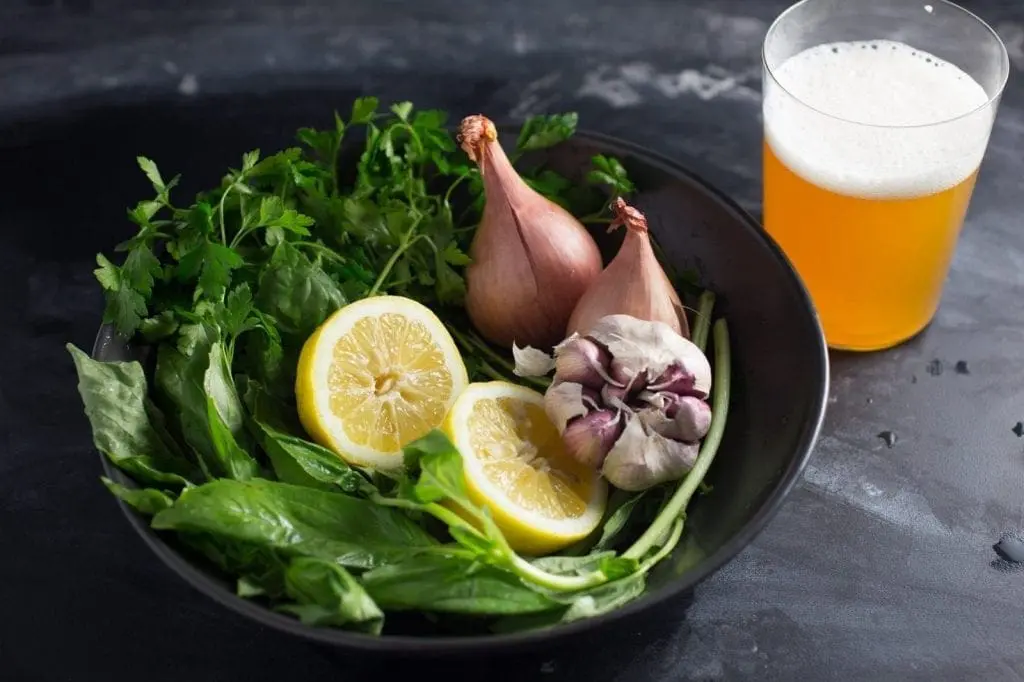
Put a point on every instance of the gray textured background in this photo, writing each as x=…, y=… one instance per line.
x=879, y=567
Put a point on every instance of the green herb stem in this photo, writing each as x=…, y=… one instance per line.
x=451, y=187
x=321, y=249
x=407, y=241
x=559, y=583
x=709, y=448
x=702, y=321
x=473, y=343
x=490, y=371
x=503, y=555
x=670, y=543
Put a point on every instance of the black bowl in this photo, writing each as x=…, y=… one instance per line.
x=779, y=394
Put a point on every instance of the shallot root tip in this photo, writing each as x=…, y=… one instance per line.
x=474, y=131
x=626, y=215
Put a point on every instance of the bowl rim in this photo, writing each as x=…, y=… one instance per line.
x=507, y=642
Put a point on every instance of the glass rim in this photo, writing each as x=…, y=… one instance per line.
x=1004, y=65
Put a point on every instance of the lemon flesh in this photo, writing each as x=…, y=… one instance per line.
x=515, y=464
x=376, y=375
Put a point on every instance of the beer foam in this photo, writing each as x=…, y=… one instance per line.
x=829, y=125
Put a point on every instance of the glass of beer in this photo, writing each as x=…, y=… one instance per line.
x=876, y=118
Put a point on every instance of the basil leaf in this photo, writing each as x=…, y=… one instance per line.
x=298, y=521
x=195, y=378
x=301, y=462
x=146, y=500
x=119, y=413
x=454, y=585
x=327, y=594
x=260, y=570
x=439, y=467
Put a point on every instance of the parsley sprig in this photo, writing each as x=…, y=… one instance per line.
x=397, y=219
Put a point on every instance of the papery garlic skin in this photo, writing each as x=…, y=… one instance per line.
x=639, y=345
x=530, y=362
x=641, y=458
x=563, y=402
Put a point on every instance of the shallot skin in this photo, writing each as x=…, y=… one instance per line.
x=633, y=283
x=531, y=260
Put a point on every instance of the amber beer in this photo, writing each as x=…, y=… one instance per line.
x=870, y=155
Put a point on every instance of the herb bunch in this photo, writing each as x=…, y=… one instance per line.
x=226, y=289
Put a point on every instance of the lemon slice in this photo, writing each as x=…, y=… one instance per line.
x=515, y=464
x=376, y=375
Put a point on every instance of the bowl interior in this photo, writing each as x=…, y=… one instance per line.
x=780, y=373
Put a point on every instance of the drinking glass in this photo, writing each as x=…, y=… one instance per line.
x=876, y=114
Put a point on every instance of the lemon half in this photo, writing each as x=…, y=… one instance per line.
x=515, y=464
x=376, y=375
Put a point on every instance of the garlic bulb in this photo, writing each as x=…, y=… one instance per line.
x=642, y=422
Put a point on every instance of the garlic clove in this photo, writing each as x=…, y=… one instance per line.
x=691, y=420
x=582, y=361
x=589, y=438
x=563, y=402
x=641, y=458
x=655, y=419
x=620, y=374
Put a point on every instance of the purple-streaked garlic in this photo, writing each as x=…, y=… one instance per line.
x=589, y=438
x=582, y=361
x=628, y=397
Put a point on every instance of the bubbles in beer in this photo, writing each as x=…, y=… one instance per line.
x=889, y=121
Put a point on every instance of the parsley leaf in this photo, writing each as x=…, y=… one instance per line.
x=607, y=170
x=540, y=132
x=363, y=110
x=128, y=287
x=213, y=263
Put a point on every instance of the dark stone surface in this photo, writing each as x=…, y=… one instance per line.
x=880, y=566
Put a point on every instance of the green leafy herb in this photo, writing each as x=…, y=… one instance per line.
x=229, y=286
x=296, y=292
x=540, y=132
x=327, y=594
x=609, y=171
x=119, y=409
x=301, y=462
x=298, y=521
x=148, y=501
x=196, y=379
x=449, y=584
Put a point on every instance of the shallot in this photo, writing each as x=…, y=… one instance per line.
x=634, y=283
x=531, y=260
